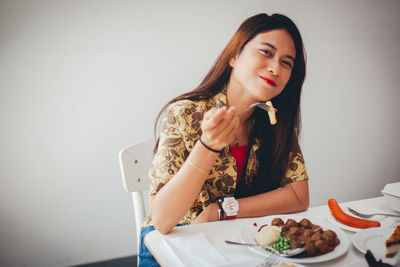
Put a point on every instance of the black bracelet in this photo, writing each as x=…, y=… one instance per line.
x=221, y=213
x=209, y=148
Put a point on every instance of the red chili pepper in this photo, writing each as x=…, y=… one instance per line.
x=346, y=219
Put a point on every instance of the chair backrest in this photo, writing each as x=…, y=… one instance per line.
x=135, y=162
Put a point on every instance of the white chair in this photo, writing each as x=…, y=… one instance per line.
x=135, y=162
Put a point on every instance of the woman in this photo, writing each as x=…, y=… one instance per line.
x=217, y=160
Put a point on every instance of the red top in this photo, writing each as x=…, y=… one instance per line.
x=239, y=153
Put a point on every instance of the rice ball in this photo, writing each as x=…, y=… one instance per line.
x=267, y=235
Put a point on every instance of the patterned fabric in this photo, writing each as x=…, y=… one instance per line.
x=180, y=131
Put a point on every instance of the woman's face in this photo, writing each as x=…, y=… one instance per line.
x=264, y=66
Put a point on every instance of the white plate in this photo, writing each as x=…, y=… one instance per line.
x=385, y=221
x=374, y=240
x=392, y=189
x=248, y=231
x=333, y=221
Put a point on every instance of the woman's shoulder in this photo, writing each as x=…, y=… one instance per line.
x=187, y=107
x=185, y=115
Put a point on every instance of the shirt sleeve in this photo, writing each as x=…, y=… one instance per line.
x=171, y=152
x=296, y=169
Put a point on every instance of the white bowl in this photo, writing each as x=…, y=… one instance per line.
x=391, y=192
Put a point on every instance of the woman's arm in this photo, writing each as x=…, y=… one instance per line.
x=170, y=204
x=293, y=197
x=174, y=199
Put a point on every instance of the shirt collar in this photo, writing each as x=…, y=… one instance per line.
x=218, y=100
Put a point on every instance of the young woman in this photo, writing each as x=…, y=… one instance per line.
x=216, y=159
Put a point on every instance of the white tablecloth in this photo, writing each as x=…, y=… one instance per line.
x=217, y=232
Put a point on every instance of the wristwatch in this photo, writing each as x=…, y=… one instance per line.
x=231, y=207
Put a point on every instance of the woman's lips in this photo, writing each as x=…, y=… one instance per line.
x=268, y=81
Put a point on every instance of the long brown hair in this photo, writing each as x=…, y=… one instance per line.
x=276, y=141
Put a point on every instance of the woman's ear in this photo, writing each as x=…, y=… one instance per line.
x=232, y=61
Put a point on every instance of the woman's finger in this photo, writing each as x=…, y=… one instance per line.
x=209, y=113
x=223, y=120
x=229, y=132
x=219, y=130
x=214, y=119
x=229, y=116
x=223, y=134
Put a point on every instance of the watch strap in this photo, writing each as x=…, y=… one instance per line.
x=221, y=212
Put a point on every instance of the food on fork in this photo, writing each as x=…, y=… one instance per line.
x=348, y=220
x=271, y=113
x=393, y=243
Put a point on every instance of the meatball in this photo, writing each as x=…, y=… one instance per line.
x=310, y=248
x=295, y=244
x=308, y=232
x=290, y=235
x=306, y=239
x=294, y=231
x=330, y=237
x=277, y=222
x=285, y=228
x=291, y=223
x=317, y=229
x=306, y=223
x=316, y=237
x=322, y=246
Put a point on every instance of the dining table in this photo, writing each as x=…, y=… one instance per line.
x=217, y=232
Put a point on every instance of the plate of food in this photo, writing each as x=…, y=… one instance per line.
x=383, y=242
x=335, y=222
x=344, y=219
x=322, y=241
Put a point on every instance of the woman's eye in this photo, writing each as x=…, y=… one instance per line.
x=287, y=63
x=266, y=52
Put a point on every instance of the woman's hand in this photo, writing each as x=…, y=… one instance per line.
x=219, y=127
x=209, y=214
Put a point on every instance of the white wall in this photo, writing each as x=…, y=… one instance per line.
x=81, y=79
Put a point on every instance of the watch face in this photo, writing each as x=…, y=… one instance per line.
x=230, y=206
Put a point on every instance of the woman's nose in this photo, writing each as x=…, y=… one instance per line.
x=273, y=67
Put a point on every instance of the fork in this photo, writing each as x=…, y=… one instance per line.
x=282, y=253
x=268, y=262
x=262, y=105
x=362, y=215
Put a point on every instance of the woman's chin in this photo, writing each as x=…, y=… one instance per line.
x=264, y=98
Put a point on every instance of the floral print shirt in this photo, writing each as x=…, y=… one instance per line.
x=180, y=131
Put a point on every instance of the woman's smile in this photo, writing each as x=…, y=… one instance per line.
x=268, y=81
